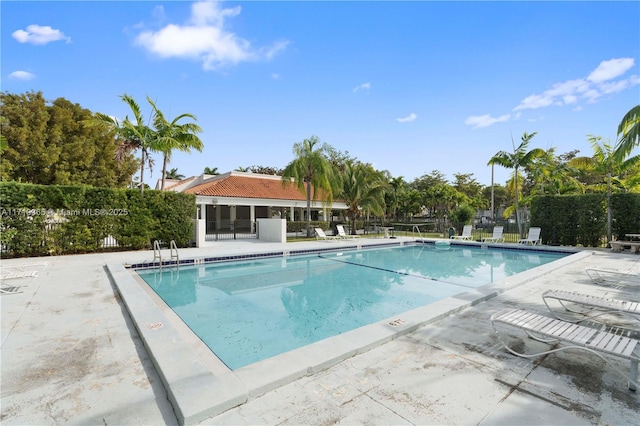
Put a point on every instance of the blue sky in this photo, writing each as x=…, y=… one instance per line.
x=410, y=87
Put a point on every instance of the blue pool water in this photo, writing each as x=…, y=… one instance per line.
x=250, y=310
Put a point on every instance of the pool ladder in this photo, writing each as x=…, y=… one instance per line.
x=173, y=252
x=417, y=228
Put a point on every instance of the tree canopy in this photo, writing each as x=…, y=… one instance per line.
x=50, y=143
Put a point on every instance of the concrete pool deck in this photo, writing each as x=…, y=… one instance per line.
x=71, y=354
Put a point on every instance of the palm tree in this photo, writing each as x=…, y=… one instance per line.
x=608, y=161
x=520, y=157
x=396, y=185
x=551, y=175
x=311, y=169
x=211, y=171
x=363, y=188
x=629, y=132
x=172, y=135
x=173, y=174
x=132, y=135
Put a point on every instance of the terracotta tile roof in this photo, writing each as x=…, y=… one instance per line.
x=248, y=187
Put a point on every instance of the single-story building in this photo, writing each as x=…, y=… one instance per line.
x=233, y=201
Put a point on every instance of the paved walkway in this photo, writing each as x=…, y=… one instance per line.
x=70, y=354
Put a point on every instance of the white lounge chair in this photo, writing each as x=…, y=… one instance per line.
x=607, y=276
x=574, y=336
x=11, y=275
x=342, y=234
x=496, y=237
x=588, y=307
x=533, y=238
x=466, y=233
x=320, y=235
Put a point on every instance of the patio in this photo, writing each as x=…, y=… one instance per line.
x=70, y=353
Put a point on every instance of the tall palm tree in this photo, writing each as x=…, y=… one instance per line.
x=517, y=159
x=131, y=135
x=311, y=169
x=629, y=132
x=172, y=135
x=608, y=161
x=363, y=188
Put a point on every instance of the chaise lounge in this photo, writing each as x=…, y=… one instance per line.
x=343, y=234
x=496, y=237
x=466, y=233
x=587, y=307
x=571, y=336
x=533, y=238
x=320, y=235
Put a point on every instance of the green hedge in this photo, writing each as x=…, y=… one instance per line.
x=49, y=219
x=625, y=212
x=573, y=220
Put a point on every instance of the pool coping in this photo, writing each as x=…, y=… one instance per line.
x=197, y=392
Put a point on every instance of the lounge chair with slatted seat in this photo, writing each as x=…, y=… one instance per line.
x=579, y=307
x=533, y=238
x=466, y=233
x=343, y=234
x=320, y=235
x=11, y=275
x=496, y=237
x=610, y=275
x=570, y=336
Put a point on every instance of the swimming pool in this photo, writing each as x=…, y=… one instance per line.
x=250, y=310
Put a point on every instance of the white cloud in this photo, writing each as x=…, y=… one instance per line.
x=588, y=89
x=363, y=86
x=22, y=75
x=603, y=81
x=36, y=34
x=275, y=76
x=408, y=118
x=486, y=120
x=610, y=69
x=205, y=39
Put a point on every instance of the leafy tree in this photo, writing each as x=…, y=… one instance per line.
x=173, y=174
x=170, y=135
x=211, y=171
x=311, y=170
x=266, y=170
x=440, y=200
x=517, y=159
x=338, y=158
x=500, y=196
x=466, y=184
x=29, y=155
x=608, y=162
x=409, y=201
x=425, y=182
x=363, y=189
x=3, y=140
x=629, y=132
x=52, y=144
x=551, y=174
x=463, y=214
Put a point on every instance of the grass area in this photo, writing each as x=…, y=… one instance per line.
x=476, y=236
